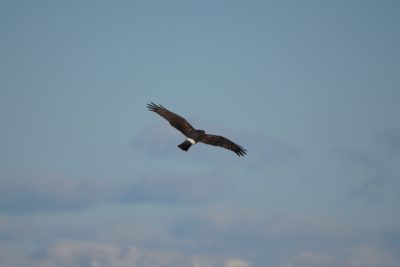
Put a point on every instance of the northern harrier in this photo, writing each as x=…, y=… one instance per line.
x=194, y=136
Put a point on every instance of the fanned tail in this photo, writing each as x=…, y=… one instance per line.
x=185, y=145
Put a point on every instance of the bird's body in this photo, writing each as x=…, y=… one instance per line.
x=193, y=135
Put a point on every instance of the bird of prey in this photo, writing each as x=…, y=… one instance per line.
x=193, y=135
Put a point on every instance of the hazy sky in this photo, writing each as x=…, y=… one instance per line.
x=89, y=177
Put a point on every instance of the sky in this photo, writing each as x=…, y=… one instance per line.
x=90, y=178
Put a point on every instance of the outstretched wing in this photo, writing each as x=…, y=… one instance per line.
x=221, y=141
x=175, y=120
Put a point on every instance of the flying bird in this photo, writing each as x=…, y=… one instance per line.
x=193, y=135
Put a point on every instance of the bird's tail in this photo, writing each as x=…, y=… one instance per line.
x=185, y=145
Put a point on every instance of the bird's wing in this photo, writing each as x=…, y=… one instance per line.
x=221, y=141
x=175, y=120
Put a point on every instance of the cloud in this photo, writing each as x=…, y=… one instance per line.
x=178, y=188
x=10, y=258
x=237, y=263
x=204, y=238
x=93, y=254
x=370, y=256
x=86, y=253
x=258, y=236
x=263, y=151
x=378, y=174
x=258, y=225
x=12, y=228
x=160, y=141
x=357, y=256
x=43, y=193
x=276, y=239
x=311, y=259
x=52, y=194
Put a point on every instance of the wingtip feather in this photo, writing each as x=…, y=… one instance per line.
x=241, y=152
x=152, y=107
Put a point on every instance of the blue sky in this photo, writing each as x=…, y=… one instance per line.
x=89, y=177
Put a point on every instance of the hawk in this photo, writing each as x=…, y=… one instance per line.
x=193, y=135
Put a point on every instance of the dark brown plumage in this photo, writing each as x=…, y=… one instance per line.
x=193, y=135
x=174, y=119
x=221, y=141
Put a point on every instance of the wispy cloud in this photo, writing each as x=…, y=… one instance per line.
x=250, y=232
x=88, y=253
x=356, y=256
x=178, y=188
x=55, y=194
x=298, y=240
x=73, y=253
x=45, y=193
x=377, y=174
x=264, y=151
x=208, y=237
x=160, y=141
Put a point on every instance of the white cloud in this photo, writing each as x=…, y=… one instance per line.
x=214, y=239
x=82, y=254
x=357, y=256
x=311, y=259
x=253, y=224
x=94, y=254
x=371, y=256
x=237, y=263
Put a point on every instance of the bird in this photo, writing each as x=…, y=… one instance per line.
x=193, y=135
